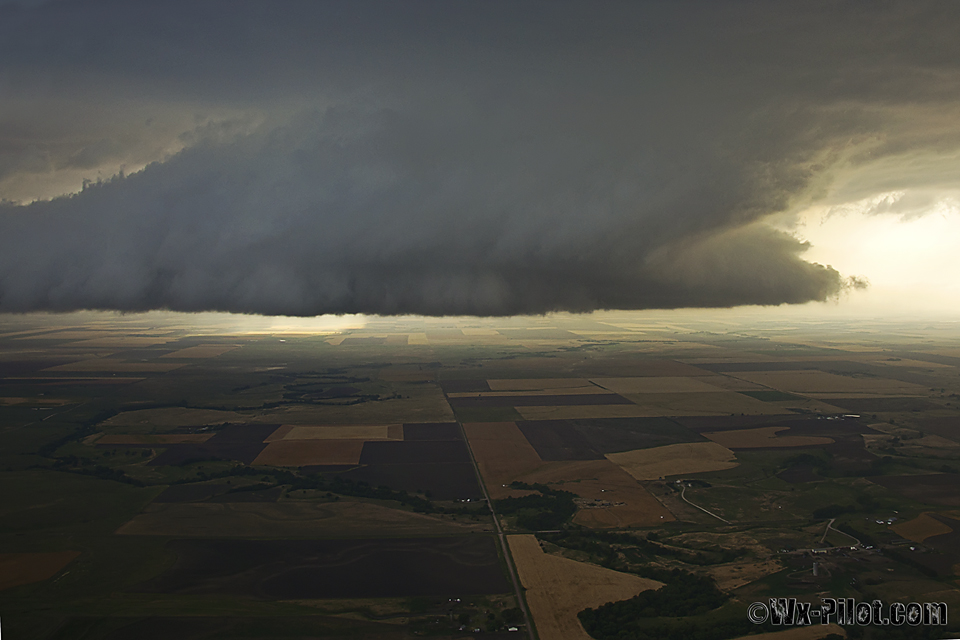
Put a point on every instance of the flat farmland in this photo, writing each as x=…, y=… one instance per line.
x=414, y=452
x=154, y=439
x=630, y=505
x=337, y=432
x=317, y=569
x=107, y=364
x=201, y=351
x=555, y=385
x=764, y=437
x=920, y=528
x=300, y=453
x=502, y=454
x=487, y=401
x=287, y=518
x=432, y=431
x=170, y=417
x=656, y=384
x=610, y=435
x=26, y=568
x=940, y=488
x=815, y=383
x=558, y=440
x=443, y=481
x=587, y=412
x=557, y=588
x=240, y=442
x=674, y=459
x=703, y=404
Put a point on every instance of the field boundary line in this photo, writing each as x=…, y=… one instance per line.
x=501, y=539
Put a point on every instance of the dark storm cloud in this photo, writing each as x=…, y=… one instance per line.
x=448, y=158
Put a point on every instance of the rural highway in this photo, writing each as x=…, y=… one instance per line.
x=503, y=540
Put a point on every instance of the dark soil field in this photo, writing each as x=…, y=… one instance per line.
x=432, y=431
x=414, y=452
x=444, y=481
x=610, y=435
x=938, y=488
x=537, y=401
x=947, y=427
x=240, y=442
x=295, y=569
x=557, y=440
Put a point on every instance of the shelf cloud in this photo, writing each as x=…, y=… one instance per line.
x=451, y=158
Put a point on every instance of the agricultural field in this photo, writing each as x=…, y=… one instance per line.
x=413, y=476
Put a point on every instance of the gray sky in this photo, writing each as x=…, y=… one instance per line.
x=486, y=158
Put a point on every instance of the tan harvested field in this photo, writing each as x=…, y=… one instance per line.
x=171, y=417
x=820, y=382
x=502, y=453
x=605, y=481
x=336, y=340
x=343, y=432
x=735, y=575
x=538, y=384
x=480, y=332
x=417, y=339
x=559, y=588
x=921, y=528
x=763, y=437
x=160, y=438
x=288, y=518
x=106, y=364
x=674, y=459
x=655, y=384
x=809, y=404
x=300, y=453
x=202, y=351
x=26, y=568
x=813, y=632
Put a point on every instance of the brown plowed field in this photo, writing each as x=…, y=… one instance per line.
x=298, y=453
x=502, y=453
x=25, y=568
x=603, y=480
x=559, y=588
